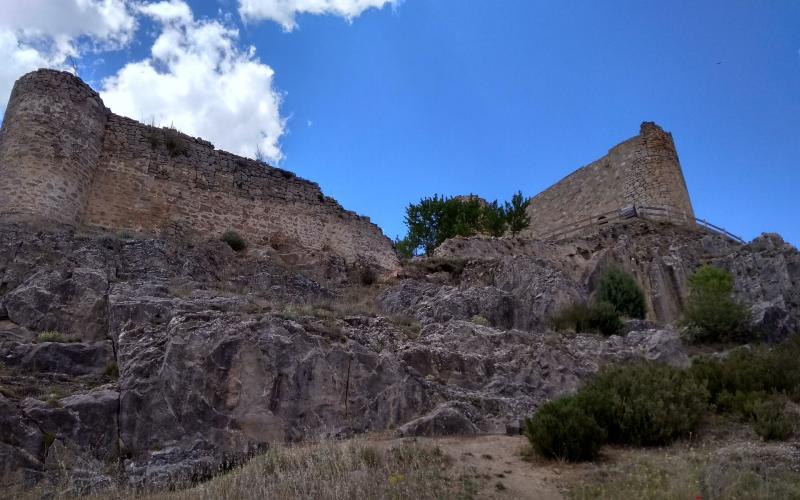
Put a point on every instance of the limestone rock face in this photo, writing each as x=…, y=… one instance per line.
x=184, y=360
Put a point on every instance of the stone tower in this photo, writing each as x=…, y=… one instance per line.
x=642, y=172
x=50, y=146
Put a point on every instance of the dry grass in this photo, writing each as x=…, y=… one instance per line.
x=333, y=470
x=682, y=472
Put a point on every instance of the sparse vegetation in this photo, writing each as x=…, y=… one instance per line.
x=112, y=370
x=712, y=314
x=771, y=421
x=600, y=317
x=234, y=240
x=331, y=469
x=620, y=289
x=479, y=320
x=55, y=336
x=174, y=141
x=435, y=219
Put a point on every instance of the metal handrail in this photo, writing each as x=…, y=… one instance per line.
x=644, y=212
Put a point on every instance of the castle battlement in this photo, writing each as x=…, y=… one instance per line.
x=65, y=158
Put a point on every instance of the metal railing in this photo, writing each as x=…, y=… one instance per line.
x=665, y=214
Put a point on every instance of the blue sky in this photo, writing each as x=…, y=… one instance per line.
x=492, y=96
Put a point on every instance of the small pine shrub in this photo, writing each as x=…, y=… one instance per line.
x=234, y=240
x=619, y=289
x=712, y=314
x=645, y=404
x=562, y=429
x=770, y=420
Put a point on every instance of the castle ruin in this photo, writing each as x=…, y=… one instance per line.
x=64, y=157
x=641, y=176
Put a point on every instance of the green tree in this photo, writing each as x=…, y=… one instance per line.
x=517, y=217
x=494, y=219
x=711, y=311
x=619, y=289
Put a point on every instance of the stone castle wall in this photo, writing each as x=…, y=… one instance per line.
x=64, y=157
x=642, y=171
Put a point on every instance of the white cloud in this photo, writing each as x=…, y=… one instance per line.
x=42, y=33
x=285, y=11
x=199, y=81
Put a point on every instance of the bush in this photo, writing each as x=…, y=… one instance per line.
x=619, y=289
x=601, y=317
x=234, y=240
x=479, y=320
x=562, y=429
x=645, y=404
x=55, y=336
x=752, y=384
x=174, y=141
x=604, y=318
x=367, y=276
x=712, y=314
x=770, y=420
x=769, y=370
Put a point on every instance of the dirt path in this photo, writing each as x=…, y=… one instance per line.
x=500, y=458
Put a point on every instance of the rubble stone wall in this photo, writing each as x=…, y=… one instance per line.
x=643, y=171
x=65, y=157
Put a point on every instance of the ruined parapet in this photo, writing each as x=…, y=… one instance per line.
x=65, y=158
x=50, y=146
x=642, y=172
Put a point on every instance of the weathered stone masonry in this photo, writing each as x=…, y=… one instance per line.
x=64, y=157
x=642, y=171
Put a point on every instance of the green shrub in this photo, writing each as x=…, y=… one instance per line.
x=764, y=369
x=619, y=289
x=234, y=240
x=574, y=317
x=604, y=318
x=479, y=320
x=601, y=317
x=645, y=403
x=174, y=141
x=712, y=314
x=770, y=420
x=55, y=336
x=562, y=429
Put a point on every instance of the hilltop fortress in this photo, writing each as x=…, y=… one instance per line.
x=639, y=177
x=66, y=158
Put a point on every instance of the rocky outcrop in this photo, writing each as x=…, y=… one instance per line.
x=165, y=363
x=661, y=257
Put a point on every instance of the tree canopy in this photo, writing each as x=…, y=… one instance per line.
x=437, y=218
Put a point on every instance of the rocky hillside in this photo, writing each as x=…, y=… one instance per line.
x=144, y=362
